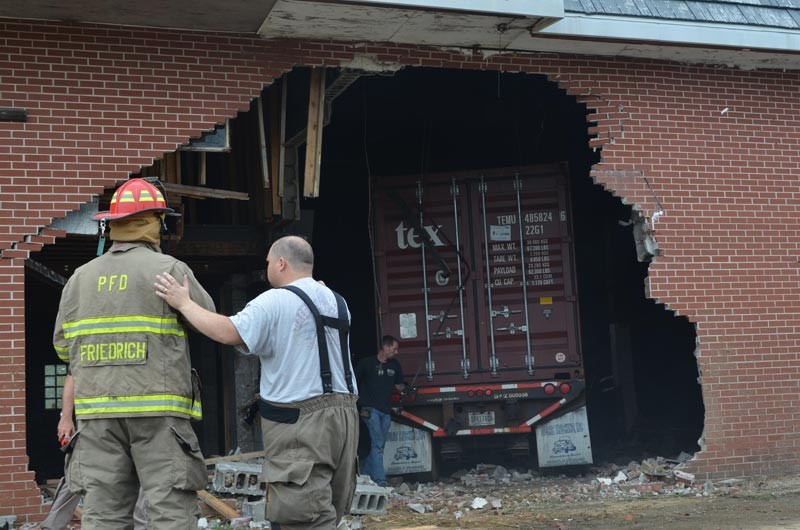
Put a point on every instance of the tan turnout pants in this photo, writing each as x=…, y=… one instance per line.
x=65, y=502
x=110, y=458
x=310, y=466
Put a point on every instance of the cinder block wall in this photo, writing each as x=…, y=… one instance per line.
x=719, y=147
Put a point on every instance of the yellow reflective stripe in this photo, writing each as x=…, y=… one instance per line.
x=125, y=329
x=132, y=410
x=127, y=196
x=62, y=352
x=117, y=399
x=127, y=318
x=138, y=404
x=144, y=196
x=123, y=324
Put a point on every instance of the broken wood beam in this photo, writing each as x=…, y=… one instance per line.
x=218, y=506
x=199, y=192
x=208, y=511
x=213, y=248
x=234, y=458
x=45, y=272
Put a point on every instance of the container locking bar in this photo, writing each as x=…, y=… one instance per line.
x=493, y=360
x=529, y=361
x=464, y=358
x=428, y=354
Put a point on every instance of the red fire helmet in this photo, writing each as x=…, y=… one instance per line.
x=135, y=196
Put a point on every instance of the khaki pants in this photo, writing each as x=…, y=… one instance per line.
x=310, y=465
x=65, y=502
x=110, y=458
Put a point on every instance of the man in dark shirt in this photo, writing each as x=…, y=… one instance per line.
x=378, y=376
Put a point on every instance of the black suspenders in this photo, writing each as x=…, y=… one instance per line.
x=342, y=324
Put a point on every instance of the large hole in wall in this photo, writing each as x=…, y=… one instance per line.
x=642, y=390
x=642, y=394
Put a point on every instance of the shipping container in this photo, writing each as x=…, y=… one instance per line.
x=476, y=278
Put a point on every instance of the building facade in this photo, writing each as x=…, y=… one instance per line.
x=707, y=152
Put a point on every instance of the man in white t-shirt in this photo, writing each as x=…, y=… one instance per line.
x=308, y=405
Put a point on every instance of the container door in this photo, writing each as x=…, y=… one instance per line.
x=421, y=262
x=527, y=307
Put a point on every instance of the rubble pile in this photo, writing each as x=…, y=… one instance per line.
x=489, y=488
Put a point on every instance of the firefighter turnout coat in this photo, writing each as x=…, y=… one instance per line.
x=127, y=349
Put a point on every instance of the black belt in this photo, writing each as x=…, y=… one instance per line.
x=278, y=414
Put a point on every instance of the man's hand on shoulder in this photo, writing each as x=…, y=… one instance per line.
x=168, y=289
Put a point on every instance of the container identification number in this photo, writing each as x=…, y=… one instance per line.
x=538, y=217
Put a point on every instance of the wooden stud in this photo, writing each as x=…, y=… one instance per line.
x=277, y=136
x=316, y=107
x=170, y=167
x=262, y=143
x=201, y=178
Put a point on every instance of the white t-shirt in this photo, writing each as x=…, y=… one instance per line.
x=279, y=328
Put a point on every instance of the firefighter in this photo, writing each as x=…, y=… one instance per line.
x=134, y=391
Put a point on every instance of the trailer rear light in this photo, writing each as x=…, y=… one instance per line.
x=549, y=389
x=479, y=392
x=470, y=393
x=564, y=388
x=488, y=391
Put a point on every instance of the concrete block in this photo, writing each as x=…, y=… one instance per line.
x=10, y=519
x=256, y=510
x=238, y=478
x=369, y=499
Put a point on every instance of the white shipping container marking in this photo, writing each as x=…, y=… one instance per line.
x=500, y=233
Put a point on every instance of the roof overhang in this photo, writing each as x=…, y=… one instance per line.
x=239, y=16
x=746, y=47
x=491, y=25
x=477, y=23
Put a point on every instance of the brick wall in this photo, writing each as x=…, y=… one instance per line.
x=719, y=147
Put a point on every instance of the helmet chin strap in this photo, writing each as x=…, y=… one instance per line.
x=101, y=243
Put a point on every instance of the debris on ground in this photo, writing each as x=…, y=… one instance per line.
x=496, y=488
x=235, y=499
